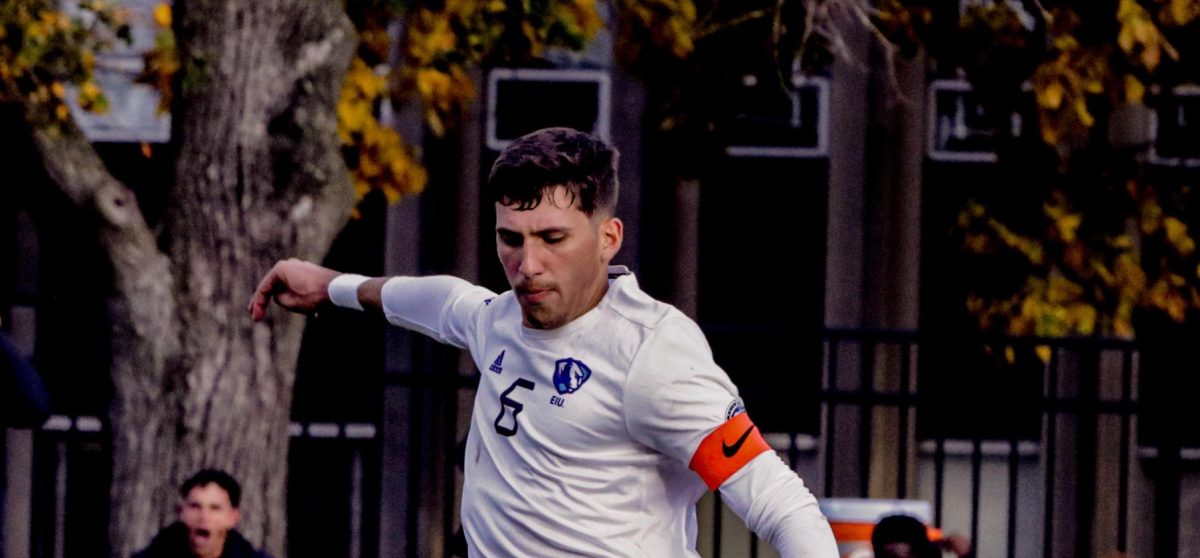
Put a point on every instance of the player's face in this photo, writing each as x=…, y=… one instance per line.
x=208, y=515
x=556, y=257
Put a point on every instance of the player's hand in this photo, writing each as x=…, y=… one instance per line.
x=960, y=545
x=295, y=285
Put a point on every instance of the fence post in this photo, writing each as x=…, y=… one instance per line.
x=18, y=494
x=1086, y=439
x=1163, y=346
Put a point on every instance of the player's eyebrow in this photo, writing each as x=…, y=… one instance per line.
x=538, y=232
x=551, y=231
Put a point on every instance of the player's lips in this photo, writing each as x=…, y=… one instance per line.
x=200, y=536
x=533, y=295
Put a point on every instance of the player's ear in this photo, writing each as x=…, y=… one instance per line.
x=612, y=233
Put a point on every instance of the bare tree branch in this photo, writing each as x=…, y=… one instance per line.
x=828, y=19
x=75, y=167
x=143, y=313
x=713, y=28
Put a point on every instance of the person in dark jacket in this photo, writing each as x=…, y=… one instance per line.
x=24, y=402
x=208, y=515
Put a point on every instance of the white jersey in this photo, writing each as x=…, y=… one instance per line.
x=582, y=436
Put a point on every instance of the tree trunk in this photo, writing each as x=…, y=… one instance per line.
x=259, y=178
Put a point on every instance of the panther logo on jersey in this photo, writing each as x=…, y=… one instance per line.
x=570, y=374
x=735, y=408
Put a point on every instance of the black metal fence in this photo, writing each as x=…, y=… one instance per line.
x=333, y=489
x=1079, y=466
x=1084, y=444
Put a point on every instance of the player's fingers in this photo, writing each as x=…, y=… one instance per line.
x=262, y=295
x=268, y=281
x=258, y=307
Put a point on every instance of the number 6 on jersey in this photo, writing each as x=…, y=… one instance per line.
x=502, y=425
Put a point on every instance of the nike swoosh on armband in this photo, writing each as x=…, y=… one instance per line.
x=729, y=450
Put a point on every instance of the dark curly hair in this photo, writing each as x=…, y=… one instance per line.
x=902, y=529
x=540, y=161
x=214, y=476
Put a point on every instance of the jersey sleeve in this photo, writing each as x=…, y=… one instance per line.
x=774, y=503
x=443, y=307
x=680, y=403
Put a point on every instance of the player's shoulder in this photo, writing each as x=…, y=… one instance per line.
x=473, y=301
x=488, y=300
x=632, y=304
x=669, y=343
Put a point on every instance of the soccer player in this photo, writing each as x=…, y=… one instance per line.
x=600, y=416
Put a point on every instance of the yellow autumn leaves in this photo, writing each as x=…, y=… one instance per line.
x=1062, y=87
x=581, y=18
x=1171, y=291
x=444, y=42
x=1140, y=37
x=375, y=154
x=162, y=15
x=1084, y=287
x=670, y=24
x=1085, y=278
x=42, y=51
x=1047, y=305
x=161, y=62
x=1064, y=84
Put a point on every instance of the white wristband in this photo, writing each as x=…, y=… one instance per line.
x=343, y=290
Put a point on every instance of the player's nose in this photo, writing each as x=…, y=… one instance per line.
x=531, y=261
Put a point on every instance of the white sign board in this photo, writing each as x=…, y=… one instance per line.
x=132, y=114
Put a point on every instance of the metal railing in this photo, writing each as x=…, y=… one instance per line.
x=1088, y=402
x=333, y=488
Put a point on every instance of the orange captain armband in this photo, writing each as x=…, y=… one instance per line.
x=726, y=449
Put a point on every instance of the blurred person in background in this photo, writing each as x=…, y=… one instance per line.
x=208, y=515
x=904, y=536
x=24, y=402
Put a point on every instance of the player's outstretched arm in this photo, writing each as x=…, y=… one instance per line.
x=774, y=503
x=303, y=287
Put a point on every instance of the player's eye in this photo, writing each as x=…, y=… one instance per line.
x=509, y=238
x=554, y=238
